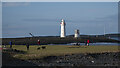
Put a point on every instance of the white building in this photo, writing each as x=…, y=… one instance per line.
x=76, y=34
x=63, y=33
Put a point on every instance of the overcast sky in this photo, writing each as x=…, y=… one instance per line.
x=43, y=18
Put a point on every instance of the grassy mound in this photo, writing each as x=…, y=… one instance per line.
x=57, y=50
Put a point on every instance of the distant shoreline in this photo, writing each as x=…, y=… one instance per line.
x=56, y=40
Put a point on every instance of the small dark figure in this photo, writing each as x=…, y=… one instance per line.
x=38, y=48
x=43, y=47
x=10, y=44
x=76, y=43
x=27, y=46
x=15, y=50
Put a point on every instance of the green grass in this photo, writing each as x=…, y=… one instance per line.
x=57, y=50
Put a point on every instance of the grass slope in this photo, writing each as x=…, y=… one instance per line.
x=58, y=50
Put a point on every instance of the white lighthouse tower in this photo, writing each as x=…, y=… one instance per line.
x=77, y=33
x=63, y=33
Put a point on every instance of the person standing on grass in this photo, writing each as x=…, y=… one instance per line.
x=10, y=44
x=88, y=42
x=27, y=45
x=38, y=42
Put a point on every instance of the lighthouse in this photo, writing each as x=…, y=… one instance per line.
x=76, y=33
x=63, y=33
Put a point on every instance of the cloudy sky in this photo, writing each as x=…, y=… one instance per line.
x=43, y=18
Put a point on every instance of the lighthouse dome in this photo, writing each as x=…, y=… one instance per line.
x=62, y=20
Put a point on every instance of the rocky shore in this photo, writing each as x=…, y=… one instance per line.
x=88, y=59
x=82, y=59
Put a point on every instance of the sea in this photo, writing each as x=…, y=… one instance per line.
x=101, y=43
